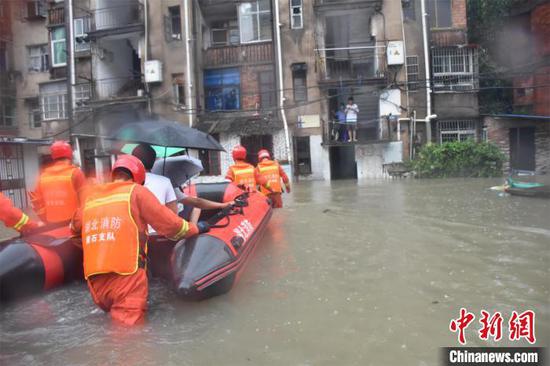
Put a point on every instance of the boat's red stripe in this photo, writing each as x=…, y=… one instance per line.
x=235, y=265
x=53, y=267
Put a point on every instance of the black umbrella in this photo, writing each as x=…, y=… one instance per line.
x=166, y=133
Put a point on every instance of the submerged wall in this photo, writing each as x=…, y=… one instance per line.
x=372, y=157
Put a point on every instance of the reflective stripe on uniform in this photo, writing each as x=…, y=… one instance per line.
x=22, y=222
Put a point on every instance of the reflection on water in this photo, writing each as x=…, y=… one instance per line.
x=347, y=273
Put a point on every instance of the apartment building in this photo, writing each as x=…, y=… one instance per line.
x=262, y=73
x=522, y=131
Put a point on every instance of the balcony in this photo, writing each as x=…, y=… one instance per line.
x=56, y=17
x=118, y=89
x=324, y=5
x=448, y=37
x=239, y=55
x=116, y=20
x=367, y=63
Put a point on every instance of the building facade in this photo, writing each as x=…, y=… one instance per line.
x=250, y=73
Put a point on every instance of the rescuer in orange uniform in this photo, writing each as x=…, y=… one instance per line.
x=243, y=173
x=56, y=196
x=14, y=218
x=273, y=172
x=113, y=224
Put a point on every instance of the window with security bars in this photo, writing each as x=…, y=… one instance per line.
x=54, y=106
x=38, y=58
x=460, y=130
x=454, y=69
x=412, y=72
x=82, y=93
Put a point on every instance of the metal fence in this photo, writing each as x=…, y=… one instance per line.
x=12, y=174
x=124, y=13
x=455, y=69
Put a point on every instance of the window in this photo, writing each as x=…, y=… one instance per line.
x=408, y=9
x=440, y=13
x=296, y=14
x=299, y=82
x=456, y=130
x=178, y=89
x=267, y=89
x=38, y=58
x=35, y=10
x=35, y=114
x=222, y=88
x=82, y=94
x=412, y=72
x=454, y=69
x=81, y=29
x=59, y=47
x=172, y=24
x=211, y=161
x=255, y=21
x=225, y=33
x=3, y=57
x=7, y=116
x=53, y=100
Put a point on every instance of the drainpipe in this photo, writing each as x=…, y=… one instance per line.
x=427, y=70
x=281, y=86
x=188, y=84
x=70, y=62
x=146, y=49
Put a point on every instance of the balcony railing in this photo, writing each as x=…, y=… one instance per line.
x=346, y=3
x=237, y=55
x=352, y=63
x=448, y=37
x=367, y=131
x=119, y=16
x=56, y=17
x=116, y=88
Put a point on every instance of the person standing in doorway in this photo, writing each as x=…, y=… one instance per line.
x=351, y=119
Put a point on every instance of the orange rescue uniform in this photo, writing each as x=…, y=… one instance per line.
x=56, y=197
x=13, y=217
x=113, y=224
x=273, y=173
x=242, y=173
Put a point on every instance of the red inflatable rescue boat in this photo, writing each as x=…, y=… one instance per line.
x=198, y=268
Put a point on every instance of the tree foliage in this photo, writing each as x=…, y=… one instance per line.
x=458, y=159
x=485, y=19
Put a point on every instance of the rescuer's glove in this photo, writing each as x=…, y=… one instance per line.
x=203, y=227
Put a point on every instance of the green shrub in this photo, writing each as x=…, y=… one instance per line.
x=458, y=159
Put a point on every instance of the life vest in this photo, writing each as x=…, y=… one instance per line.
x=111, y=240
x=269, y=169
x=59, y=195
x=243, y=174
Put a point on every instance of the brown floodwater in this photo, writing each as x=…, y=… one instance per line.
x=346, y=274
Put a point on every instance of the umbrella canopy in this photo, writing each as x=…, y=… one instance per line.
x=162, y=132
x=178, y=168
x=161, y=151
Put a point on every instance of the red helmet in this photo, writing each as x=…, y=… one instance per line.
x=133, y=165
x=263, y=154
x=61, y=149
x=239, y=153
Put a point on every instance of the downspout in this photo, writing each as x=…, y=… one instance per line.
x=281, y=86
x=188, y=84
x=146, y=49
x=429, y=116
x=69, y=26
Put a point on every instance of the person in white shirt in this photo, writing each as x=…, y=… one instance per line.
x=160, y=186
x=351, y=119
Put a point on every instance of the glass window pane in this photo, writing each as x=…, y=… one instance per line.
x=264, y=5
x=60, y=55
x=444, y=19
x=58, y=33
x=248, y=28
x=78, y=27
x=296, y=2
x=247, y=8
x=265, y=26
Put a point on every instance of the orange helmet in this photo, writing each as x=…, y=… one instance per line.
x=239, y=153
x=133, y=165
x=61, y=149
x=263, y=154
